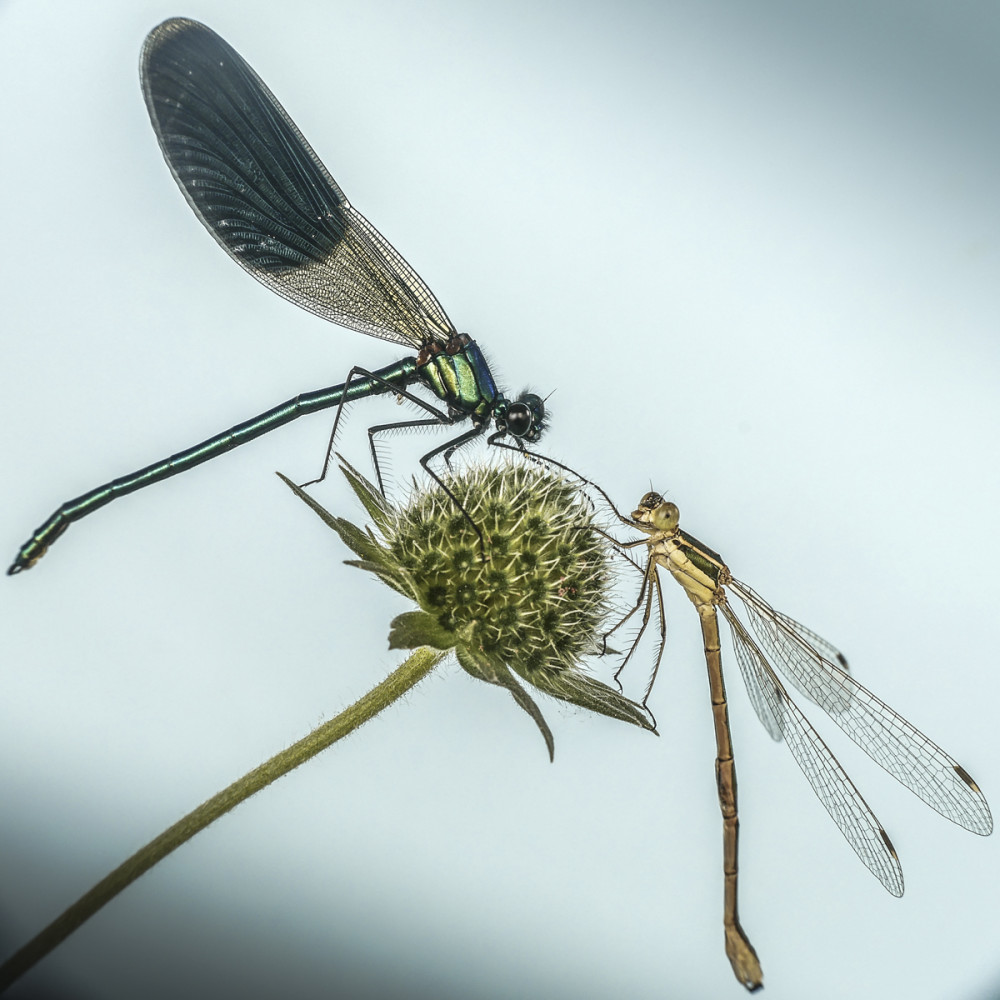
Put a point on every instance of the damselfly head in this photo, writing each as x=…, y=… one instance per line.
x=524, y=419
x=666, y=517
x=660, y=514
x=648, y=503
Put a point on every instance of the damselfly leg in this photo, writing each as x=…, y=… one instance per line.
x=817, y=670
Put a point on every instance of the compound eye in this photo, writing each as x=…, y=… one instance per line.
x=666, y=517
x=519, y=419
x=651, y=501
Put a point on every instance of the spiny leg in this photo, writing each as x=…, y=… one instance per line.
x=646, y=598
x=520, y=448
x=663, y=640
x=463, y=440
x=358, y=372
x=740, y=952
x=441, y=419
x=450, y=447
x=619, y=544
x=559, y=465
x=638, y=604
x=621, y=548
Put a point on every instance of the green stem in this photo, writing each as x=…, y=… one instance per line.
x=407, y=675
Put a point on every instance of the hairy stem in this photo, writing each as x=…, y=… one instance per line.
x=407, y=675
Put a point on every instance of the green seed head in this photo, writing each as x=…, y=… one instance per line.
x=534, y=605
x=539, y=596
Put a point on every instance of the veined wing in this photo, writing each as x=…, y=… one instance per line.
x=899, y=747
x=262, y=192
x=785, y=639
x=749, y=668
x=828, y=779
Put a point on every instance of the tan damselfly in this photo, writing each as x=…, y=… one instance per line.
x=819, y=672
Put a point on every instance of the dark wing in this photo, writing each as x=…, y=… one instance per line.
x=261, y=191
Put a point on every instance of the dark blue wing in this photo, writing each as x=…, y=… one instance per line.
x=262, y=192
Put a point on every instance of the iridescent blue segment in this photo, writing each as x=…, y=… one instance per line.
x=485, y=386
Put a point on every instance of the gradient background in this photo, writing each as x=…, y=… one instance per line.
x=755, y=249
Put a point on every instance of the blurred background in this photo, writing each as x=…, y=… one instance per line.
x=754, y=251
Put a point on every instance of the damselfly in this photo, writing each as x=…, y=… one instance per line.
x=819, y=672
x=262, y=192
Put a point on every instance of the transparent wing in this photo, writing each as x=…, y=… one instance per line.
x=262, y=192
x=828, y=779
x=892, y=742
x=828, y=649
x=750, y=669
x=785, y=640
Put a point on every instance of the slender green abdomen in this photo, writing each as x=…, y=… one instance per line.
x=396, y=376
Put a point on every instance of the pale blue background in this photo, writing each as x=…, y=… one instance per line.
x=754, y=247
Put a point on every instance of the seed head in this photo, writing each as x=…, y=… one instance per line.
x=534, y=605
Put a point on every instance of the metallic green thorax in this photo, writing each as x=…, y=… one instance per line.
x=710, y=563
x=458, y=374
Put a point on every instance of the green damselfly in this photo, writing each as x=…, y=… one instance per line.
x=261, y=191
